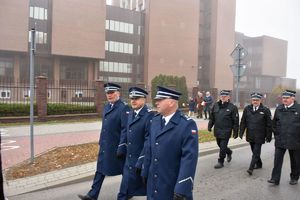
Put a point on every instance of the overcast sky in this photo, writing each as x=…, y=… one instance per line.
x=276, y=18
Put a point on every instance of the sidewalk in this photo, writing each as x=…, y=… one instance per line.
x=84, y=172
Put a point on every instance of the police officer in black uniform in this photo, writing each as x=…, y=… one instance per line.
x=114, y=121
x=286, y=126
x=139, y=120
x=225, y=119
x=257, y=120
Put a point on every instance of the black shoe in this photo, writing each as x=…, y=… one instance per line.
x=293, y=182
x=84, y=197
x=229, y=157
x=250, y=171
x=273, y=182
x=219, y=165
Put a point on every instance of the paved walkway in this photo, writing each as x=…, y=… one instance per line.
x=86, y=171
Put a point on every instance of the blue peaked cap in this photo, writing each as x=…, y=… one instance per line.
x=166, y=93
x=136, y=92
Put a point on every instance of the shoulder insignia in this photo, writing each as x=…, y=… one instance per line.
x=185, y=116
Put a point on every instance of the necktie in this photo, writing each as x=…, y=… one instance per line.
x=111, y=105
x=163, y=123
x=134, y=114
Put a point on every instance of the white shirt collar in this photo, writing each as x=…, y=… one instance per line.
x=167, y=118
x=137, y=111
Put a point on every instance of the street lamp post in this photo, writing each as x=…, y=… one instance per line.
x=32, y=51
x=238, y=68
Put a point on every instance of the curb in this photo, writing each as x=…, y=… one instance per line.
x=82, y=172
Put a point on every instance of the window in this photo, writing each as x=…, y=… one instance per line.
x=107, y=24
x=4, y=94
x=78, y=94
x=40, y=37
x=38, y=13
x=6, y=68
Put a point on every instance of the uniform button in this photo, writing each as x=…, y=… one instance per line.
x=129, y=143
x=130, y=167
x=155, y=175
x=103, y=151
x=156, y=143
x=155, y=191
x=129, y=155
x=155, y=160
x=105, y=119
x=129, y=130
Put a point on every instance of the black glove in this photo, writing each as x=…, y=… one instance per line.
x=268, y=139
x=120, y=155
x=138, y=171
x=209, y=129
x=178, y=197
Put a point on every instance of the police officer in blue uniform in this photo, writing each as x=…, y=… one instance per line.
x=171, y=159
x=286, y=126
x=114, y=121
x=257, y=121
x=225, y=120
x=132, y=145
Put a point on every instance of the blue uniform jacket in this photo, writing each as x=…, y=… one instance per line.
x=137, y=132
x=171, y=160
x=114, y=121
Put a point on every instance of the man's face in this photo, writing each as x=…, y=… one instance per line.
x=163, y=106
x=137, y=103
x=287, y=100
x=224, y=98
x=255, y=102
x=112, y=96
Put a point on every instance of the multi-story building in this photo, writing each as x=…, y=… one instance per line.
x=130, y=42
x=266, y=64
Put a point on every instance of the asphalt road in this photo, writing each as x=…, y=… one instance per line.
x=229, y=183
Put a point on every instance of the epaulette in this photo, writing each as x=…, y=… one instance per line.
x=185, y=116
x=149, y=110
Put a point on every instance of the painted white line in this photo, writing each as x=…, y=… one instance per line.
x=4, y=146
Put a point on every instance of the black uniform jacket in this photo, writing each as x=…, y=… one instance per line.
x=225, y=119
x=258, y=124
x=286, y=127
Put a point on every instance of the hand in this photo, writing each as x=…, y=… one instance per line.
x=268, y=139
x=178, y=197
x=120, y=155
x=138, y=171
x=209, y=129
x=241, y=137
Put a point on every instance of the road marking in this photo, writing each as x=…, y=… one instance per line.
x=6, y=147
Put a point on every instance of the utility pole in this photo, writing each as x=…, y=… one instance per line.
x=238, y=68
x=32, y=51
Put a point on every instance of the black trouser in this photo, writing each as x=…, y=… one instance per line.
x=256, y=151
x=278, y=161
x=222, y=143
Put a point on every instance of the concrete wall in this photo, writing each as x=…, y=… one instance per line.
x=74, y=33
x=14, y=16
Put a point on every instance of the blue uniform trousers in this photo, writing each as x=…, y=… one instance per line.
x=222, y=143
x=256, y=151
x=97, y=184
x=278, y=161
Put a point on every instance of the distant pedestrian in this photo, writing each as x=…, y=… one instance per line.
x=257, y=121
x=139, y=120
x=172, y=155
x=114, y=122
x=225, y=119
x=208, y=102
x=286, y=127
x=192, y=105
x=200, y=105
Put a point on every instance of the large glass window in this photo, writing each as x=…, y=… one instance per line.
x=38, y=13
x=119, y=26
x=40, y=37
x=6, y=68
x=73, y=70
x=119, y=47
x=117, y=67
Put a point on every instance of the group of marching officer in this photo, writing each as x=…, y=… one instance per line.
x=156, y=153
x=258, y=123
